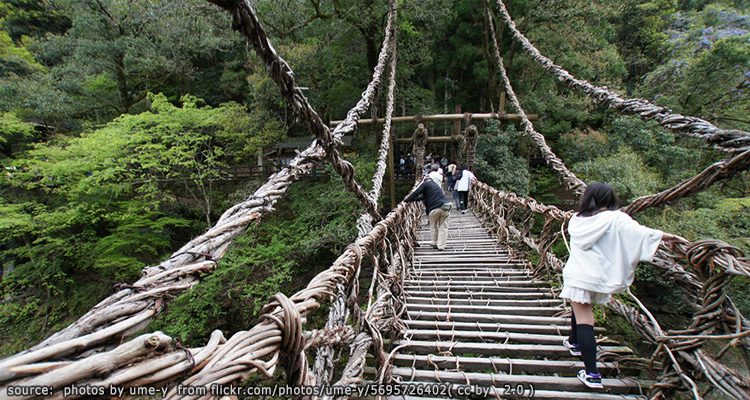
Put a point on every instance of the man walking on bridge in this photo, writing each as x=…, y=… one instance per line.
x=438, y=210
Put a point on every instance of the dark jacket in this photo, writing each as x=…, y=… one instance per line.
x=431, y=195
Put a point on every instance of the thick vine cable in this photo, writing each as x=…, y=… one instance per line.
x=720, y=170
x=569, y=178
x=722, y=139
x=719, y=262
x=338, y=314
x=132, y=308
x=154, y=359
x=246, y=21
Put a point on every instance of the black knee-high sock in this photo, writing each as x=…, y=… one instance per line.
x=573, y=337
x=587, y=343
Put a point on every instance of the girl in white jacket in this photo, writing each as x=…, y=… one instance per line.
x=605, y=246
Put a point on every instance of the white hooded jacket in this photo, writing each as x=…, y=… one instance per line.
x=604, y=250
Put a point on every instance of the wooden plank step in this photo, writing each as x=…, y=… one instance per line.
x=463, y=294
x=468, y=266
x=475, y=288
x=499, y=364
x=464, y=253
x=462, y=238
x=469, y=336
x=488, y=240
x=539, y=394
x=492, y=327
x=510, y=274
x=450, y=259
x=429, y=251
x=477, y=272
x=523, y=350
x=506, y=319
x=540, y=382
x=462, y=248
x=484, y=302
x=507, y=270
x=495, y=310
x=448, y=271
x=443, y=254
x=464, y=281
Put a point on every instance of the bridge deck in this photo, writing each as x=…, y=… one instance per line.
x=477, y=316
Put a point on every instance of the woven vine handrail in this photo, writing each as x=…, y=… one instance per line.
x=569, y=178
x=722, y=139
x=715, y=261
x=338, y=313
x=719, y=170
x=246, y=22
x=132, y=308
x=155, y=359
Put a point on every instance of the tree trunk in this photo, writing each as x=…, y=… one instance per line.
x=122, y=84
x=372, y=52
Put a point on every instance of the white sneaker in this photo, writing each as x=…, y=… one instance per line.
x=593, y=381
x=463, y=212
x=572, y=347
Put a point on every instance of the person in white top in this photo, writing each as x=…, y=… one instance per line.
x=436, y=175
x=463, y=183
x=605, y=246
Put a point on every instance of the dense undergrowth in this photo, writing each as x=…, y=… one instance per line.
x=308, y=230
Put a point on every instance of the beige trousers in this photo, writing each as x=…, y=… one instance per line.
x=439, y=227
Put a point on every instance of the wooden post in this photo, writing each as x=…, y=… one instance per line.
x=457, y=124
x=391, y=175
x=260, y=162
x=443, y=117
x=455, y=153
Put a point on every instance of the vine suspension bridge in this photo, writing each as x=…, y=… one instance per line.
x=478, y=320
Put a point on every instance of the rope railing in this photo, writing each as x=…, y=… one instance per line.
x=720, y=170
x=132, y=308
x=155, y=359
x=246, y=346
x=386, y=304
x=716, y=263
x=338, y=313
x=722, y=139
x=569, y=178
x=246, y=22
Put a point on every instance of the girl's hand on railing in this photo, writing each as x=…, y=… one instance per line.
x=673, y=239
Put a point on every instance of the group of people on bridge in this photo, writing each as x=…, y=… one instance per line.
x=439, y=180
x=606, y=244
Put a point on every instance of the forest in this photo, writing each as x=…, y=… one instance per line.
x=123, y=124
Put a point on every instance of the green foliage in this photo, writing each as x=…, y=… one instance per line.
x=13, y=131
x=32, y=18
x=726, y=219
x=624, y=170
x=658, y=147
x=640, y=34
x=496, y=164
x=15, y=60
x=114, y=54
x=579, y=146
x=642, y=154
x=705, y=73
x=100, y=206
x=310, y=228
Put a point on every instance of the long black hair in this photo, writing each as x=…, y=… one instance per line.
x=597, y=196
